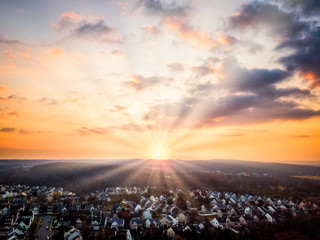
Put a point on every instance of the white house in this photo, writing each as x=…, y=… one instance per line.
x=170, y=233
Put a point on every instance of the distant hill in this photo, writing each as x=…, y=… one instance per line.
x=230, y=175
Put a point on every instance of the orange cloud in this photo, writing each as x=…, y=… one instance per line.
x=152, y=30
x=9, y=54
x=7, y=67
x=195, y=38
x=71, y=15
x=314, y=81
x=225, y=40
x=2, y=88
x=25, y=55
x=56, y=52
x=7, y=115
x=66, y=19
x=14, y=113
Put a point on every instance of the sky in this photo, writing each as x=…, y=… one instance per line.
x=160, y=79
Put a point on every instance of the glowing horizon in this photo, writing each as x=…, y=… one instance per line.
x=160, y=79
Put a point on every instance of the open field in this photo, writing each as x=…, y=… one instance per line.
x=308, y=177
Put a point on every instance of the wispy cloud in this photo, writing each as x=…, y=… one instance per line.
x=151, y=30
x=84, y=131
x=8, y=129
x=140, y=83
x=165, y=7
x=194, y=37
x=74, y=26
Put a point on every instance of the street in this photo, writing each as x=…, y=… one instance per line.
x=43, y=232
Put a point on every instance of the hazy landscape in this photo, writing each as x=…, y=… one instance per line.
x=295, y=182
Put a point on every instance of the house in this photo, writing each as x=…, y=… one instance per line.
x=219, y=222
x=117, y=222
x=170, y=233
x=17, y=233
x=128, y=235
x=269, y=218
x=222, y=212
x=35, y=211
x=248, y=211
x=25, y=220
x=154, y=221
x=62, y=209
x=272, y=209
x=245, y=220
x=182, y=218
x=72, y=234
x=166, y=221
x=137, y=208
x=4, y=211
x=96, y=223
x=232, y=221
x=78, y=223
x=63, y=220
x=76, y=207
x=146, y=215
x=135, y=223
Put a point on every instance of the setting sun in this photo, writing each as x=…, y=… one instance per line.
x=158, y=154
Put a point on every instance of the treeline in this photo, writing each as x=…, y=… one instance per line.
x=85, y=177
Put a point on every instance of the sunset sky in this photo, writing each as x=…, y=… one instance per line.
x=166, y=79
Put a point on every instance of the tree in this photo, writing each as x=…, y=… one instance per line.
x=170, y=201
x=181, y=201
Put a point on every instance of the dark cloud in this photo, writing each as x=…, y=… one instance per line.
x=302, y=136
x=7, y=129
x=77, y=27
x=14, y=113
x=8, y=98
x=139, y=82
x=98, y=30
x=294, y=26
x=201, y=89
x=10, y=42
x=305, y=7
x=166, y=7
x=248, y=109
x=238, y=78
x=202, y=70
x=262, y=105
x=229, y=105
x=49, y=101
x=306, y=57
x=25, y=131
x=298, y=114
x=263, y=14
x=274, y=93
x=21, y=131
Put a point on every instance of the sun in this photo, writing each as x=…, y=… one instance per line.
x=158, y=152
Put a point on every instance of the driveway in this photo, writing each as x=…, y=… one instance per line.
x=42, y=231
